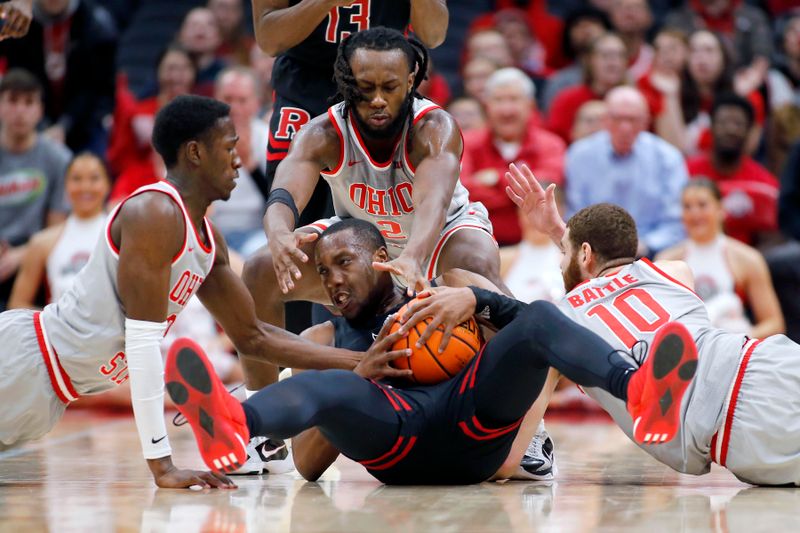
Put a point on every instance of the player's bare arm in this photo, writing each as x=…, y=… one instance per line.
x=279, y=26
x=149, y=232
x=315, y=148
x=32, y=268
x=430, y=18
x=435, y=152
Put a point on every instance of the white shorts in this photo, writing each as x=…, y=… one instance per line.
x=759, y=439
x=474, y=217
x=30, y=405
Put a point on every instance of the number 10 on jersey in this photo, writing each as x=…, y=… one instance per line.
x=635, y=308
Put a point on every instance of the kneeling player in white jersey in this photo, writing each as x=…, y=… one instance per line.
x=157, y=250
x=741, y=411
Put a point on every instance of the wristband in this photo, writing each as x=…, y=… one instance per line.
x=282, y=196
x=497, y=308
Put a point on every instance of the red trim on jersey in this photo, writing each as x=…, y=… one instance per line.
x=65, y=393
x=652, y=265
x=116, y=211
x=338, y=166
x=409, y=445
x=469, y=377
x=278, y=145
x=379, y=166
x=388, y=396
x=208, y=249
x=422, y=113
x=442, y=241
x=726, y=436
x=400, y=399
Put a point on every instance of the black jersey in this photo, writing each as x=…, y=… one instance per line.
x=304, y=73
x=360, y=338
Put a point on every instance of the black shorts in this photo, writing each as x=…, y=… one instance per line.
x=441, y=440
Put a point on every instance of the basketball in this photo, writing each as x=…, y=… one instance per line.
x=428, y=365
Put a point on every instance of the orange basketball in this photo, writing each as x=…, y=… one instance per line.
x=430, y=366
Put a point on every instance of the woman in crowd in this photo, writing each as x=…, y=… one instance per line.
x=729, y=275
x=57, y=253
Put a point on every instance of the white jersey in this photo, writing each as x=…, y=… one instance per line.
x=72, y=252
x=630, y=305
x=84, y=331
x=380, y=193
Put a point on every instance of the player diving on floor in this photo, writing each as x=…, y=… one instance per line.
x=458, y=431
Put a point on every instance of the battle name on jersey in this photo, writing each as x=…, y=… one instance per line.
x=595, y=293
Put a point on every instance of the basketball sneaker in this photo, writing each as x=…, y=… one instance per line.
x=265, y=455
x=217, y=418
x=539, y=462
x=656, y=389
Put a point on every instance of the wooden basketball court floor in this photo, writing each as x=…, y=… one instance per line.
x=88, y=476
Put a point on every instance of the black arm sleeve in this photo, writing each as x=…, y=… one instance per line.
x=497, y=308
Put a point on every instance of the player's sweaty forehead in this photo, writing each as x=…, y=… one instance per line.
x=379, y=66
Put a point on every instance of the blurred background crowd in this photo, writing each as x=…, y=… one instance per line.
x=686, y=113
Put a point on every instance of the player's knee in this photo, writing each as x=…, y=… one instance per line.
x=258, y=274
x=486, y=266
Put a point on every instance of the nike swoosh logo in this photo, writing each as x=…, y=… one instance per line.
x=156, y=441
x=351, y=163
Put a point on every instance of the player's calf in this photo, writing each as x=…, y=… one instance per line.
x=655, y=390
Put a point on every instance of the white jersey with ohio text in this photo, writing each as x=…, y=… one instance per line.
x=84, y=331
x=380, y=192
x=631, y=305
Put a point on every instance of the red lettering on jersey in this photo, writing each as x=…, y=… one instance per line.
x=393, y=202
x=170, y=321
x=576, y=301
x=358, y=195
x=599, y=292
x=356, y=18
x=375, y=201
x=290, y=122
x=185, y=287
x=115, y=362
x=610, y=288
x=589, y=295
x=405, y=195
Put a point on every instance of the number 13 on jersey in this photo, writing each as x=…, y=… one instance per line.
x=344, y=20
x=631, y=315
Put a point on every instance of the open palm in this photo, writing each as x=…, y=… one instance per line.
x=536, y=203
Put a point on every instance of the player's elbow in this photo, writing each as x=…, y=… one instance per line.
x=433, y=38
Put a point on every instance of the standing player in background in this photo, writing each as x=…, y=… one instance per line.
x=741, y=410
x=304, y=35
x=156, y=252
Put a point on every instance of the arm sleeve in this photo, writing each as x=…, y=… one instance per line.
x=497, y=308
x=146, y=369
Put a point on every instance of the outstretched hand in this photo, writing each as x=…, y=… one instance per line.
x=376, y=363
x=537, y=204
x=174, y=478
x=16, y=16
x=447, y=306
x=408, y=270
x=286, y=253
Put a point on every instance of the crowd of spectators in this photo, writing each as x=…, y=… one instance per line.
x=623, y=101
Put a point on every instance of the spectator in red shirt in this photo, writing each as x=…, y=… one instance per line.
x=709, y=73
x=749, y=191
x=605, y=69
x=662, y=86
x=130, y=153
x=510, y=137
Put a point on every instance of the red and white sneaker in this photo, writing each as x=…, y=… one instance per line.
x=656, y=389
x=216, y=417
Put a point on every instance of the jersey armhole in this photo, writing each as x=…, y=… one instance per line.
x=115, y=212
x=335, y=171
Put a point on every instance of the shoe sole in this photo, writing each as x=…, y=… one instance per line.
x=672, y=369
x=202, y=399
